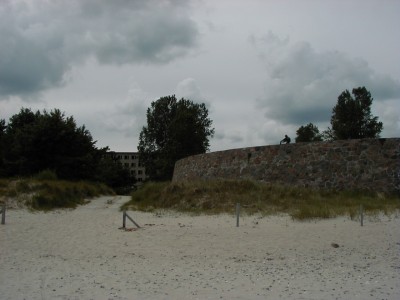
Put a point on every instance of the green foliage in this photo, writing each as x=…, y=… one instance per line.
x=220, y=196
x=49, y=140
x=50, y=145
x=3, y=128
x=351, y=117
x=24, y=187
x=175, y=129
x=308, y=133
x=46, y=175
x=112, y=173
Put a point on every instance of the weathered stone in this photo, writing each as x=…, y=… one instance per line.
x=366, y=164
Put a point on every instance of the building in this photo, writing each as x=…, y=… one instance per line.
x=130, y=160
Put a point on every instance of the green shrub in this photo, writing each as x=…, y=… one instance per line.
x=23, y=186
x=46, y=175
x=45, y=200
x=4, y=183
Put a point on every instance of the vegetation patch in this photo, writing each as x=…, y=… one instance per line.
x=47, y=194
x=221, y=196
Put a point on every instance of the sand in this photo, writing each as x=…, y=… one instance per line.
x=82, y=254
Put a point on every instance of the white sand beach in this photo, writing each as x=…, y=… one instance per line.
x=82, y=254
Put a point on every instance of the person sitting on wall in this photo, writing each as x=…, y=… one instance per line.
x=286, y=140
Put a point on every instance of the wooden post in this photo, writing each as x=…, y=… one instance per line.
x=124, y=216
x=361, y=215
x=136, y=224
x=124, y=219
x=237, y=214
x=3, y=214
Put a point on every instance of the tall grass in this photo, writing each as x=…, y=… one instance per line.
x=50, y=193
x=220, y=196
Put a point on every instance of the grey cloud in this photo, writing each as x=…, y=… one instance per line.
x=41, y=40
x=389, y=112
x=302, y=85
x=189, y=89
x=119, y=126
x=129, y=116
x=232, y=137
x=25, y=65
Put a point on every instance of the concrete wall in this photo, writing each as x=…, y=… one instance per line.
x=367, y=164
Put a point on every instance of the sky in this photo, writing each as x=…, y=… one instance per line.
x=263, y=67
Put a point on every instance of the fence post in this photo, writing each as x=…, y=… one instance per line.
x=124, y=216
x=3, y=214
x=237, y=214
x=123, y=219
x=361, y=215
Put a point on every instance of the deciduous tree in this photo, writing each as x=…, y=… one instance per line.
x=308, y=133
x=175, y=129
x=352, y=118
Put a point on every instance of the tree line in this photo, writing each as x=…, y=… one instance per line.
x=32, y=142
x=177, y=129
x=351, y=119
x=35, y=141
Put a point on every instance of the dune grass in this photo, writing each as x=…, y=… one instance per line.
x=50, y=193
x=221, y=196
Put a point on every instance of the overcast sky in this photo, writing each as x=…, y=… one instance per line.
x=263, y=68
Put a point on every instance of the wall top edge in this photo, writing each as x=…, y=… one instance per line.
x=337, y=142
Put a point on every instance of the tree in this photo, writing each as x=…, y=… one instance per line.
x=17, y=141
x=308, y=133
x=36, y=141
x=114, y=174
x=3, y=128
x=351, y=117
x=175, y=129
x=48, y=140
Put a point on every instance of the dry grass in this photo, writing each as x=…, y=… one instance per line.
x=221, y=196
x=47, y=194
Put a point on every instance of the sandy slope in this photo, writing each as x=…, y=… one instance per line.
x=81, y=254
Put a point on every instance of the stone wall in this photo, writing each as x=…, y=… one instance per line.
x=366, y=164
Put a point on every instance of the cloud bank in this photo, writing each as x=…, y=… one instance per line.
x=41, y=40
x=302, y=85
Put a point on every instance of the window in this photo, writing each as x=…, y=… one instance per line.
x=133, y=165
x=140, y=172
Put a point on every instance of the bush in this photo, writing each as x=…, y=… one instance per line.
x=65, y=194
x=46, y=200
x=46, y=175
